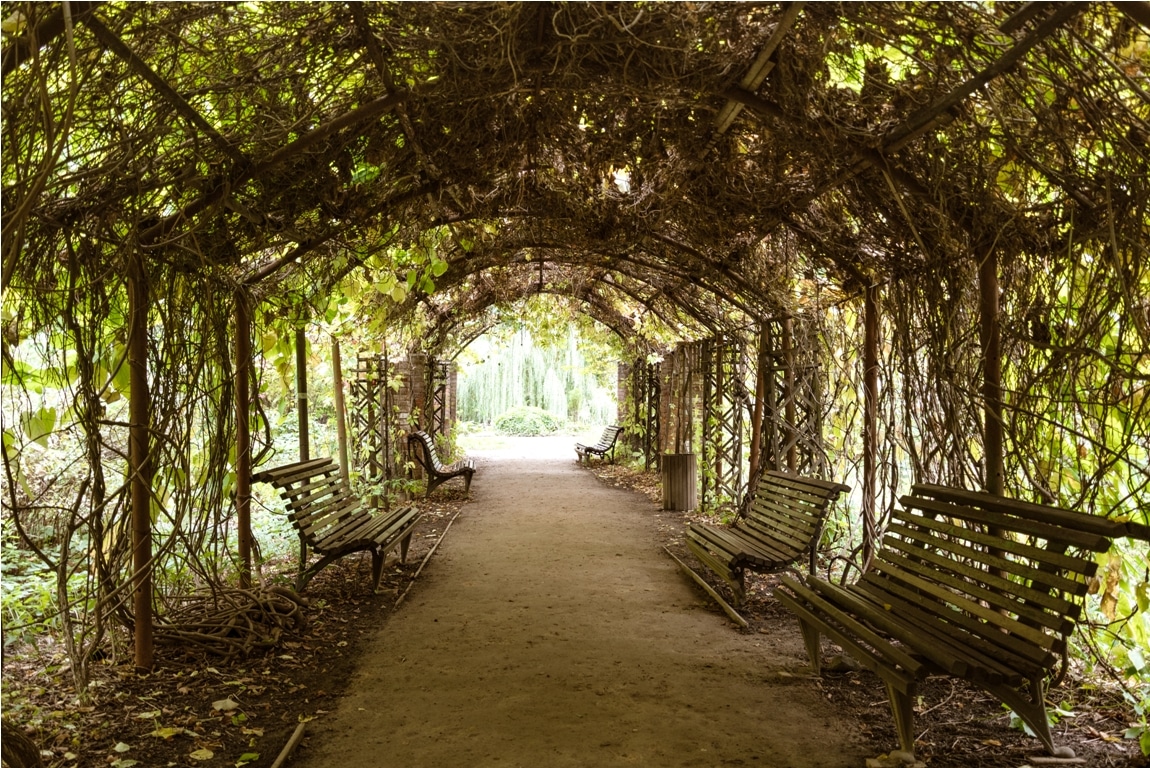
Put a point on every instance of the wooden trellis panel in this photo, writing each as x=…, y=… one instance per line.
x=372, y=418
x=437, y=377
x=645, y=392
x=792, y=420
x=725, y=400
x=681, y=376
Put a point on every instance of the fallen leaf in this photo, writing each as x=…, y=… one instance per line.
x=202, y=754
x=225, y=705
x=122, y=747
x=166, y=733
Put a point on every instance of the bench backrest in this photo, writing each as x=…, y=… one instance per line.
x=1010, y=573
x=317, y=498
x=610, y=435
x=790, y=509
x=428, y=457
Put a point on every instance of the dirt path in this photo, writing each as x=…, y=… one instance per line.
x=551, y=630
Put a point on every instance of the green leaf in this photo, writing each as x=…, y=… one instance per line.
x=39, y=425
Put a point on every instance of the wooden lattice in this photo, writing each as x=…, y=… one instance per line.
x=792, y=420
x=372, y=417
x=725, y=401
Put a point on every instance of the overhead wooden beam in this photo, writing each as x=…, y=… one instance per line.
x=757, y=73
x=112, y=42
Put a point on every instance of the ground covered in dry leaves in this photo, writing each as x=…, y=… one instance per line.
x=193, y=707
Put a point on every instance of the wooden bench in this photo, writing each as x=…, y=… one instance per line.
x=332, y=521
x=422, y=448
x=966, y=584
x=783, y=521
x=606, y=443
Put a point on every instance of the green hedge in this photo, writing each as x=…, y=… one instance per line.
x=527, y=421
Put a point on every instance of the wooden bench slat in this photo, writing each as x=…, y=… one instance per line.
x=1024, y=658
x=1049, y=580
x=949, y=647
x=962, y=602
x=1057, y=559
x=775, y=547
x=1041, y=530
x=876, y=641
x=988, y=599
x=767, y=509
x=290, y=473
x=1058, y=516
x=745, y=549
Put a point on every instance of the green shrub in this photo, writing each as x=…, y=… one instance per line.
x=527, y=421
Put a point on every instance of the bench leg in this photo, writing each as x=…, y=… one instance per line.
x=811, y=641
x=738, y=584
x=404, y=543
x=1032, y=710
x=467, y=482
x=378, y=557
x=902, y=707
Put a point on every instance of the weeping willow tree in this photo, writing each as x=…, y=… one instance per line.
x=566, y=369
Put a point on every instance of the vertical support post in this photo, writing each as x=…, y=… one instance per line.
x=789, y=395
x=719, y=413
x=301, y=392
x=989, y=336
x=757, y=413
x=340, y=410
x=243, y=374
x=140, y=461
x=384, y=499
x=870, y=422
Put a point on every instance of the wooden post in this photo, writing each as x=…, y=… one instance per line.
x=340, y=409
x=870, y=422
x=243, y=374
x=301, y=392
x=140, y=461
x=990, y=339
x=757, y=414
x=789, y=395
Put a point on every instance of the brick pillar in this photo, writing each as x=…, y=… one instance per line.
x=624, y=386
x=417, y=381
x=452, y=394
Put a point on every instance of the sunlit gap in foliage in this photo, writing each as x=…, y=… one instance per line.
x=550, y=358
